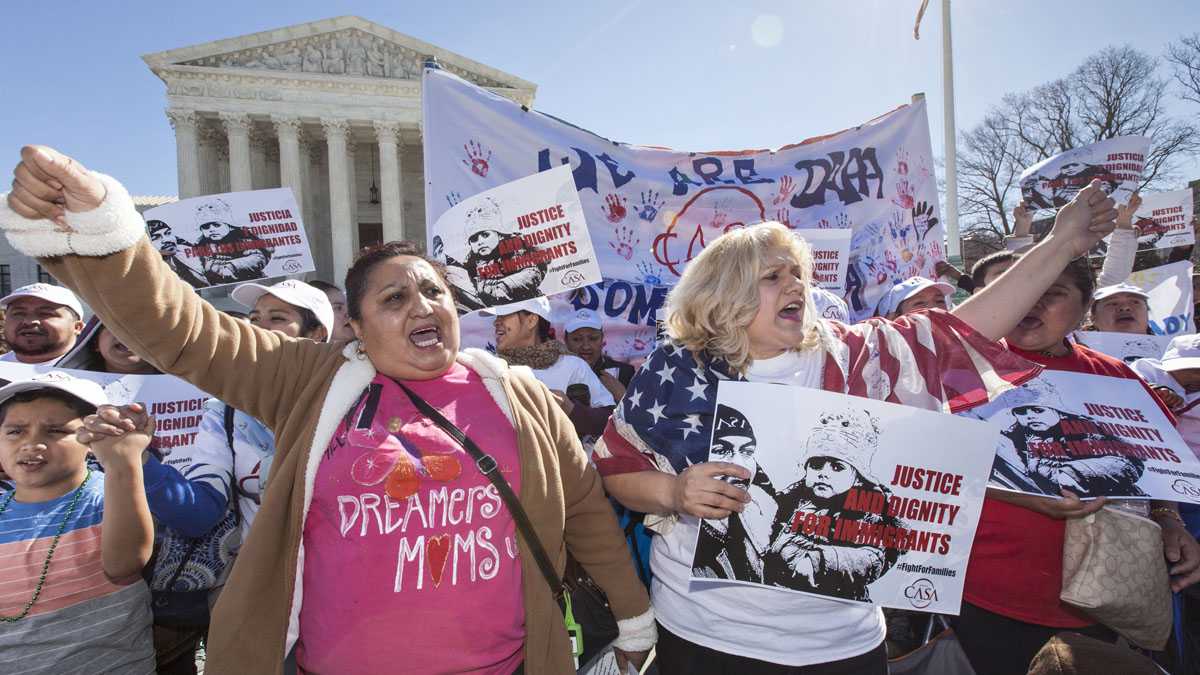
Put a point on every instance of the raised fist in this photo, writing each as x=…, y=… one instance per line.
x=46, y=184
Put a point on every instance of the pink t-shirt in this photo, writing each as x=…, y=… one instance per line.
x=410, y=557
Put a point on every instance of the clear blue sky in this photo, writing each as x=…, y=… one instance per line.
x=688, y=76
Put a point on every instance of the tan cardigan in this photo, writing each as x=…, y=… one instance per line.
x=301, y=390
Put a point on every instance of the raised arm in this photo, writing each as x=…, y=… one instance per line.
x=83, y=228
x=996, y=309
x=1122, y=248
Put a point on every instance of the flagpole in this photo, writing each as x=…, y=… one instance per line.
x=952, y=240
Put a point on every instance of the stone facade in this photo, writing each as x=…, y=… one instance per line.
x=331, y=109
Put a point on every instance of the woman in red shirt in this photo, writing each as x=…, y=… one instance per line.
x=1011, y=605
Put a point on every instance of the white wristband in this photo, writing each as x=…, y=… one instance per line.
x=638, y=633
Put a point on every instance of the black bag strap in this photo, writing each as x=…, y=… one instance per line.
x=237, y=491
x=488, y=467
x=183, y=563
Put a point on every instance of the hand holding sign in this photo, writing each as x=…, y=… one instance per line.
x=1087, y=219
x=698, y=492
x=47, y=181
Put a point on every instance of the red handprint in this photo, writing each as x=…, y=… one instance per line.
x=614, y=208
x=719, y=216
x=786, y=187
x=624, y=241
x=477, y=159
x=784, y=217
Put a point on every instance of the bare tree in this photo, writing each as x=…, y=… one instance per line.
x=1184, y=57
x=1115, y=92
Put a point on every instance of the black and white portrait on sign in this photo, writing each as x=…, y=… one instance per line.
x=1089, y=434
x=231, y=238
x=837, y=458
x=735, y=547
x=850, y=498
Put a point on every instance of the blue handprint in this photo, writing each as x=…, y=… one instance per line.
x=453, y=198
x=651, y=203
x=650, y=274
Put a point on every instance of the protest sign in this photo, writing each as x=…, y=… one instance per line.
x=1116, y=162
x=1127, y=347
x=230, y=238
x=176, y=405
x=850, y=499
x=1170, y=290
x=515, y=242
x=1090, y=434
x=652, y=210
x=831, y=255
x=1164, y=220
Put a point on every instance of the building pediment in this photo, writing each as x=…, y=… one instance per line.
x=343, y=47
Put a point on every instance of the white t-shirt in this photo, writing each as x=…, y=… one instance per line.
x=773, y=625
x=11, y=357
x=568, y=370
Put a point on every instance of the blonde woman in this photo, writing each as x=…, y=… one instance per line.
x=740, y=311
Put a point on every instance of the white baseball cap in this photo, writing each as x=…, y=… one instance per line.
x=539, y=305
x=1117, y=289
x=1183, y=353
x=904, y=290
x=48, y=292
x=583, y=318
x=84, y=390
x=293, y=292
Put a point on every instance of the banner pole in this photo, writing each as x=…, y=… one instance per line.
x=953, y=246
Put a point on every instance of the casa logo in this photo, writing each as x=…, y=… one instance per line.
x=921, y=593
x=1185, y=487
x=573, y=279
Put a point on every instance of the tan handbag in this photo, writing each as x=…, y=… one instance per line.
x=1114, y=570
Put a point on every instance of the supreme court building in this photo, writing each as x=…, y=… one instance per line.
x=331, y=109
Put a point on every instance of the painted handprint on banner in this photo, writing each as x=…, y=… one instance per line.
x=901, y=230
x=842, y=221
x=623, y=241
x=614, y=208
x=923, y=219
x=477, y=158
x=904, y=187
x=784, y=217
x=719, y=216
x=650, y=274
x=640, y=342
x=651, y=203
x=786, y=187
x=453, y=198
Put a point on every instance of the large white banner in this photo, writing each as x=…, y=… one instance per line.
x=232, y=237
x=1164, y=220
x=651, y=210
x=1117, y=163
x=1090, y=434
x=1170, y=289
x=176, y=405
x=518, y=241
x=850, y=498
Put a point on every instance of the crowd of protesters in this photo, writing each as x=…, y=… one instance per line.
x=258, y=544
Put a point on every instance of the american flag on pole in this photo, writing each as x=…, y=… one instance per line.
x=929, y=360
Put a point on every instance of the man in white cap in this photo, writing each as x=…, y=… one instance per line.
x=41, y=323
x=914, y=294
x=524, y=338
x=1121, y=308
x=585, y=338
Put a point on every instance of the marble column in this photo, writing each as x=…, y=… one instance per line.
x=288, y=130
x=187, y=151
x=352, y=178
x=237, y=130
x=388, y=134
x=336, y=131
